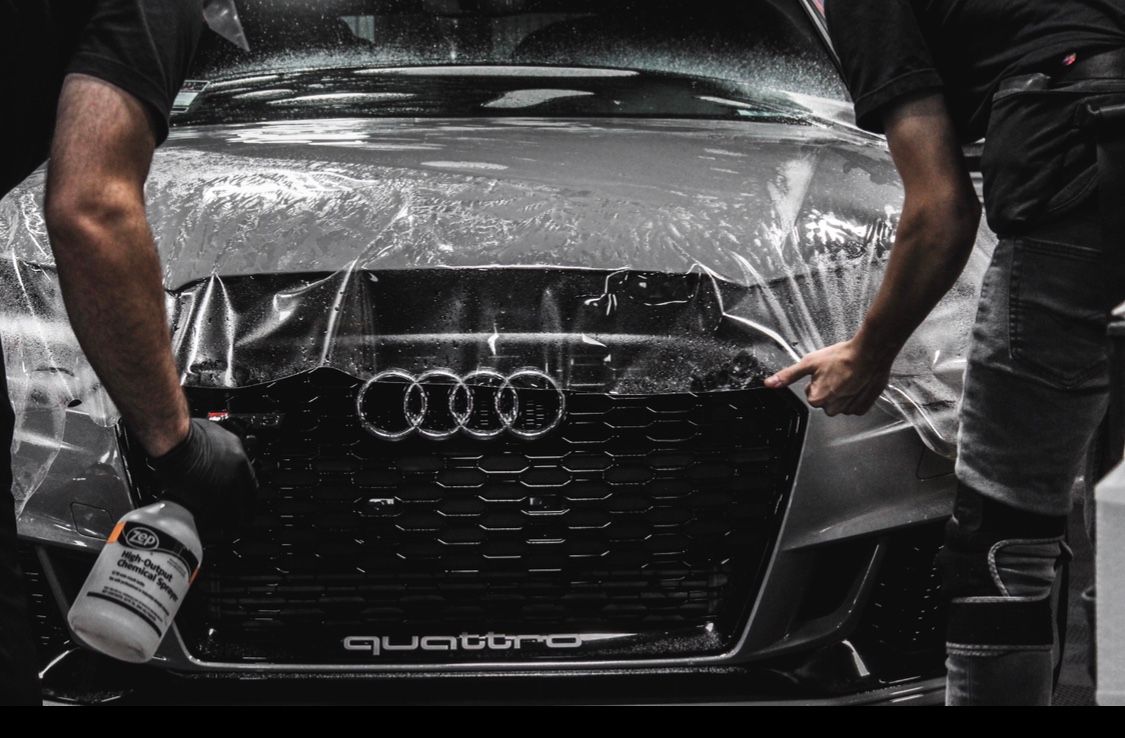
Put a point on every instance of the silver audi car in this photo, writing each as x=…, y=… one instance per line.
x=490, y=288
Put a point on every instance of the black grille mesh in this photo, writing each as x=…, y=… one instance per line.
x=902, y=633
x=639, y=515
x=51, y=635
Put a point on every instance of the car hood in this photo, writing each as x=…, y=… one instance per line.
x=746, y=201
x=799, y=214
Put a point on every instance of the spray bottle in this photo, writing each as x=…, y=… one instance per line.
x=138, y=582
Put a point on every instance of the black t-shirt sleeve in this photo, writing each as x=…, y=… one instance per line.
x=883, y=53
x=144, y=47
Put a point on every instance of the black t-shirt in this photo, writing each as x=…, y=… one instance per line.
x=894, y=48
x=142, y=46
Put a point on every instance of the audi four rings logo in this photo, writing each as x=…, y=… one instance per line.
x=482, y=404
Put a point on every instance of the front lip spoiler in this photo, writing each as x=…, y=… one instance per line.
x=926, y=693
x=930, y=692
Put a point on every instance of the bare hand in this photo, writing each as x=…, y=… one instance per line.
x=845, y=379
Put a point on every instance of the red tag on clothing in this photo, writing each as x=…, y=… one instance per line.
x=1069, y=59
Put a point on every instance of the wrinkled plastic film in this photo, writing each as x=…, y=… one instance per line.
x=632, y=258
x=222, y=18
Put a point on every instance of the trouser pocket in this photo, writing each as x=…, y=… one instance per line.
x=1056, y=312
x=1037, y=162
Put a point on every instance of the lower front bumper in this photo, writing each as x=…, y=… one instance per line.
x=875, y=659
x=83, y=677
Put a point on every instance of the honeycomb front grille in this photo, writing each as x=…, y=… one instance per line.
x=902, y=633
x=647, y=516
x=51, y=636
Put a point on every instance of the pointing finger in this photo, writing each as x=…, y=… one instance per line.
x=789, y=375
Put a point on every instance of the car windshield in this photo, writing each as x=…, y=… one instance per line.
x=536, y=58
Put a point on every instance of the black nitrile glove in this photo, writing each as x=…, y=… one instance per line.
x=209, y=473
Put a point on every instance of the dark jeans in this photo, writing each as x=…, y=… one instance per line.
x=1036, y=390
x=19, y=677
x=1036, y=385
x=1037, y=381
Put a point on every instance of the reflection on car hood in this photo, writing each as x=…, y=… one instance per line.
x=391, y=194
x=320, y=195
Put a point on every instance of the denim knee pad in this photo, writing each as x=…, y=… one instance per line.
x=998, y=571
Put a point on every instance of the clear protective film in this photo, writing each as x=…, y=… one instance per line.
x=222, y=18
x=623, y=256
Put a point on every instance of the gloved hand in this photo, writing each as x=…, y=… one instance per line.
x=209, y=473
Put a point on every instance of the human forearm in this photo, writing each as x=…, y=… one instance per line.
x=112, y=285
x=929, y=253
x=114, y=292
x=930, y=250
x=108, y=266
x=934, y=239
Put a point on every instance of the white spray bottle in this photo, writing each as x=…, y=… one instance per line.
x=138, y=582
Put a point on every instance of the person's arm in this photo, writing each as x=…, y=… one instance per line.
x=108, y=266
x=112, y=284
x=935, y=236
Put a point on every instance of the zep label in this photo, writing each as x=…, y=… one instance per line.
x=145, y=571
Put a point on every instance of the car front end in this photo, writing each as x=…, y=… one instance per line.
x=500, y=374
